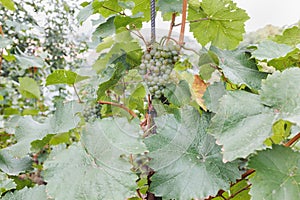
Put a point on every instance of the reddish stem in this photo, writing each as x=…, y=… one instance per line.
x=120, y=106
x=171, y=26
x=183, y=20
x=292, y=141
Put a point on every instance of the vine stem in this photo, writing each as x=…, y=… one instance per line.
x=120, y=106
x=293, y=140
x=107, y=8
x=183, y=20
x=75, y=90
x=171, y=27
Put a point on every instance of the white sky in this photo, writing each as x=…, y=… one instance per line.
x=275, y=12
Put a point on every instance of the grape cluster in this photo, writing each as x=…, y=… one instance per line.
x=92, y=112
x=157, y=65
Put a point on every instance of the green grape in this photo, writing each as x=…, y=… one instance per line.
x=157, y=54
x=142, y=66
x=157, y=66
x=158, y=63
x=156, y=70
x=148, y=56
x=142, y=72
x=92, y=111
x=177, y=47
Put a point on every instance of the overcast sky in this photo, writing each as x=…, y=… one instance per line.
x=275, y=12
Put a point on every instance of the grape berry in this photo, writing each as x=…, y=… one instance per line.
x=91, y=112
x=157, y=65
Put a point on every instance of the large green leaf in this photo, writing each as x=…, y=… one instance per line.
x=289, y=60
x=107, y=8
x=268, y=50
x=277, y=174
x=212, y=96
x=26, y=61
x=220, y=22
x=13, y=166
x=281, y=92
x=290, y=36
x=6, y=183
x=239, y=68
x=28, y=130
x=241, y=124
x=178, y=94
x=142, y=6
x=123, y=44
x=121, y=22
x=105, y=29
x=245, y=120
x=35, y=193
x=170, y=6
x=9, y=4
x=85, y=13
x=98, y=159
x=62, y=76
x=29, y=88
x=113, y=75
x=186, y=160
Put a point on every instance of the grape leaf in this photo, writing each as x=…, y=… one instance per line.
x=107, y=8
x=238, y=191
x=167, y=6
x=212, y=96
x=121, y=22
x=9, y=4
x=28, y=130
x=97, y=158
x=245, y=120
x=26, y=61
x=220, y=22
x=285, y=101
x=85, y=13
x=13, y=166
x=239, y=68
x=35, y=193
x=123, y=44
x=29, y=88
x=178, y=94
x=268, y=50
x=136, y=99
x=241, y=127
x=4, y=42
x=142, y=6
x=62, y=76
x=186, y=160
x=290, y=36
x=290, y=60
x=198, y=89
x=279, y=166
x=6, y=183
x=105, y=29
x=113, y=76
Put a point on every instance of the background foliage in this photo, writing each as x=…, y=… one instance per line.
x=225, y=127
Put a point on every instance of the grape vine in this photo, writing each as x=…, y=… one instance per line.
x=215, y=119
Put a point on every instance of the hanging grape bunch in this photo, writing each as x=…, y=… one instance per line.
x=157, y=65
x=92, y=112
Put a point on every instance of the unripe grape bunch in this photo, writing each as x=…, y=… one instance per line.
x=157, y=65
